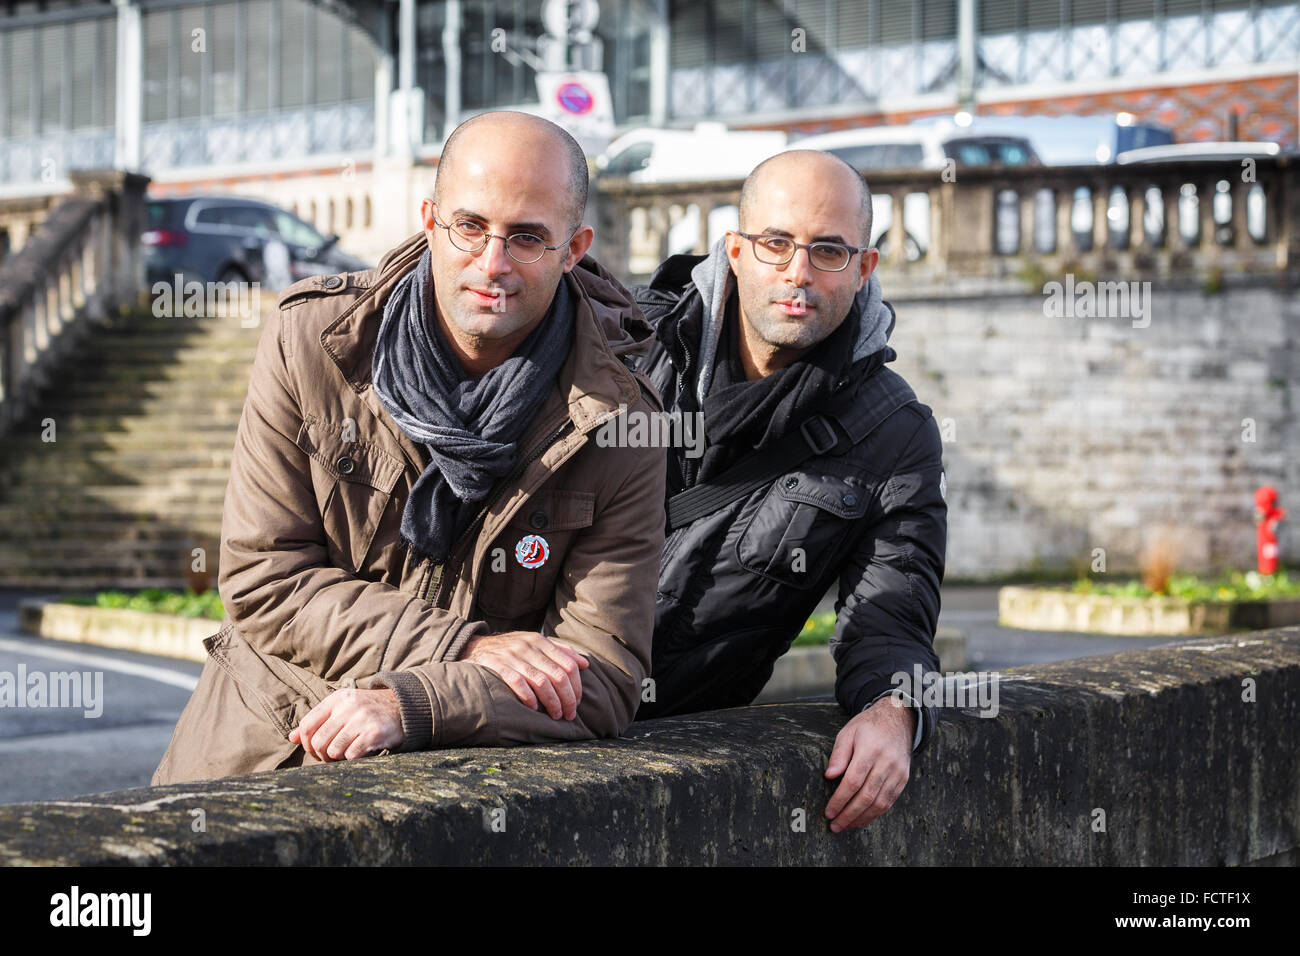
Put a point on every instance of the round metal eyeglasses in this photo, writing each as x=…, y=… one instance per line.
x=524, y=247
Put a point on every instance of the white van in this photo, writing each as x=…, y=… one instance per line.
x=709, y=151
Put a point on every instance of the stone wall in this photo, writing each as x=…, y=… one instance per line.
x=1178, y=755
x=1062, y=435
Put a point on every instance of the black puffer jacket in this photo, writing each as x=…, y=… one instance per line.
x=734, y=593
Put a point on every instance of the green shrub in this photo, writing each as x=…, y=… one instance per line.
x=817, y=630
x=157, y=601
x=1233, y=586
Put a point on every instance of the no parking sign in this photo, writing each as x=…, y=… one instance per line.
x=575, y=98
x=580, y=102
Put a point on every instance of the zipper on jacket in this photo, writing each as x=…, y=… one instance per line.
x=438, y=577
x=690, y=469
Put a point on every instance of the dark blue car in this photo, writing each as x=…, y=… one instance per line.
x=226, y=239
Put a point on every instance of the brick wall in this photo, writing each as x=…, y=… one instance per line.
x=1266, y=109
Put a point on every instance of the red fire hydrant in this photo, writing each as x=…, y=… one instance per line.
x=1267, y=515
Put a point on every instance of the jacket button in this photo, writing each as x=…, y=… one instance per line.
x=345, y=465
x=332, y=282
x=538, y=520
x=791, y=483
x=850, y=500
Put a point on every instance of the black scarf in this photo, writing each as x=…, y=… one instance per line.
x=470, y=426
x=741, y=416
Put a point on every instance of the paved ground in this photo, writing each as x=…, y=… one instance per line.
x=51, y=754
x=974, y=610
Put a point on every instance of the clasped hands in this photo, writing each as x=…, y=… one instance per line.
x=544, y=674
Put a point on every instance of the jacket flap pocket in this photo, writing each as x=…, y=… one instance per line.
x=837, y=495
x=556, y=510
x=277, y=686
x=795, y=533
x=359, y=461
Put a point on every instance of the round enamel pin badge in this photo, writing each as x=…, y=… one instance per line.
x=532, y=551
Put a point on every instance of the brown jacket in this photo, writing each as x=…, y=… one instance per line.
x=318, y=593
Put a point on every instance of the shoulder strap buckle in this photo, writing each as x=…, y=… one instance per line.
x=822, y=446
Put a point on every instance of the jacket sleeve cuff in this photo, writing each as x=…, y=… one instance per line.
x=471, y=629
x=450, y=649
x=416, y=707
x=920, y=713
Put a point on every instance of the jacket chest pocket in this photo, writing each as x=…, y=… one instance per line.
x=353, y=481
x=524, y=562
x=799, y=526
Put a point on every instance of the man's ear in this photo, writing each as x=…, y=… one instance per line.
x=734, y=243
x=578, y=246
x=870, y=259
x=427, y=209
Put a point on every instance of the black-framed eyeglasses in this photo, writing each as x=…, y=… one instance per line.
x=826, y=256
x=524, y=247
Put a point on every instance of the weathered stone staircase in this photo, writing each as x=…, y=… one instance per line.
x=144, y=420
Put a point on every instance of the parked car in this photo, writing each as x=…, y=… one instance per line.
x=226, y=238
x=709, y=151
x=1071, y=140
x=922, y=146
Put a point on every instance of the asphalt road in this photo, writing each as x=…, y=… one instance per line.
x=51, y=753
x=58, y=753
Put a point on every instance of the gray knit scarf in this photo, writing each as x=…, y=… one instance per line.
x=470, y=426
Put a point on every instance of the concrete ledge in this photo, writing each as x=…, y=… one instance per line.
x=1055, y=609
x=1160, y=741
x=145, y=631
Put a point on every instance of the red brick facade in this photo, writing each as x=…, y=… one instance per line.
x=1265, y=106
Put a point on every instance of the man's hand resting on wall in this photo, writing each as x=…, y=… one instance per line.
x=543, y=673
x=873, y=751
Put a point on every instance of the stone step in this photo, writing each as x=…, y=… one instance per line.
x=166, y=429
x=184, y=503
x=54, y=550
x=95, y=523
x=128, y=452
x=107, y=394
x=80, y=583
x=133, y=374
x=216, y=333
x=97, y=527
x=146, y=416
x=117, y=467
x=203, y=410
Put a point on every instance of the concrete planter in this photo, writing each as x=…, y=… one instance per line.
x=810, y=671
x=149, y=633
x=1054, y=609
